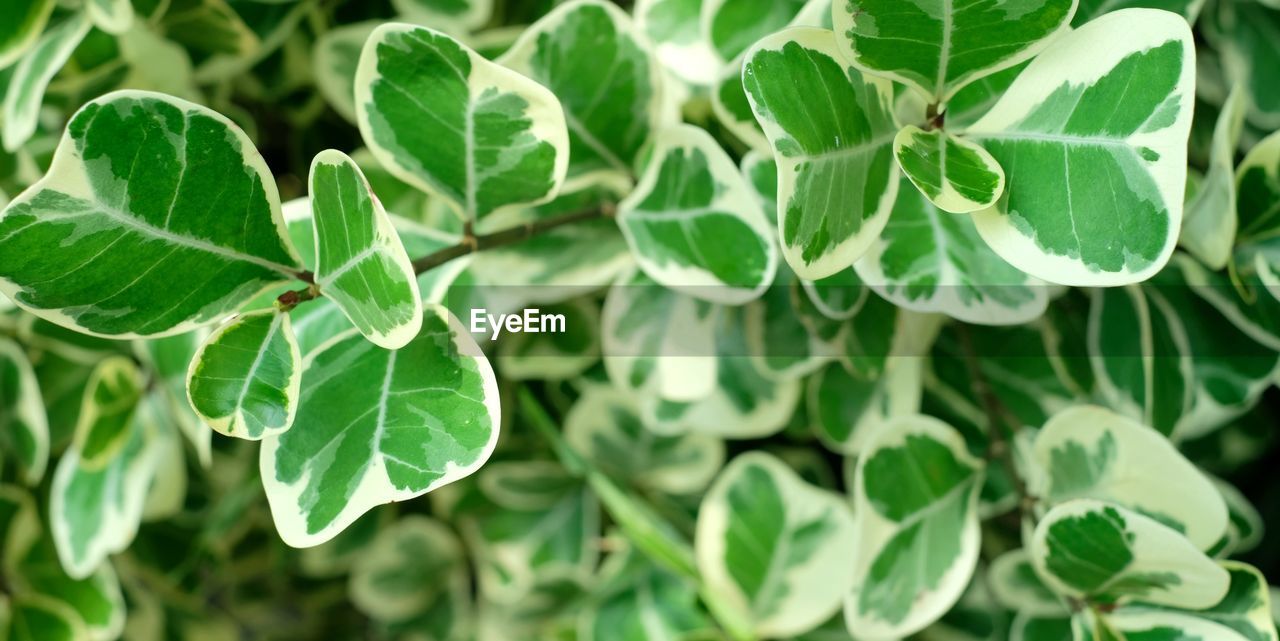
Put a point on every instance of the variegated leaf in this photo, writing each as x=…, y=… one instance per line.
x=26, y=21
x=405, y=569
x=440, y=117
x=334, y=61
x=245, y=378
x=1210, y=222
x=1093, y=141
x=458, y=14
x=203, y=209
x=837, y=178
x=32, y=75
x=848, y=410
x=956, y=175
x=24, y=425
x=361, y=264
x=674, y=27
x=1015, y=585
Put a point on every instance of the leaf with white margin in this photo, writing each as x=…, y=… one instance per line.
x=24, y=425
x=732, y=26
x=32, y=75
x=778, y=340
x=1245, y=35
x=1258, y=200
x=460, y=14
x=534, y=522
x=1209, y=223
x=927, y=260
x=761, y=172
x=588, y=53
x=605, y=426
x=658, y=341
x=775, y=549
x=693, y=223
x=554, y=355
x=245, y=379
x=101, y=482
x=837, y=297
x=39, y=618
x=1090, y=9
x=642, y=602
x=1093, y=141
x=1141, y=356
x=361, y=264
x=1256, y=315
x=956, y=175
x=1245, y=527
x=440, y=117
x=132, y=230
x=24, y=24
x=837, y=178
x=1091, y=452
x=112, y=16
x=334, y=60
x=742, y=403
x=939, y=47
x=1107, y=554
x=1244, y=614
x=168, y=359
x=1016, y=586
x=674, y=27
x=96, y=600
x=847, y=410
x=401, y=572
x=400, y=423
x=916, y=499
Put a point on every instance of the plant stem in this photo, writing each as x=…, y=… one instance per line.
x=999, y=418
x=470, y=244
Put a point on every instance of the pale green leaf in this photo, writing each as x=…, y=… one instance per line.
x=376, y=426
x=589, y=54
x=928, y=260
x=1245, y=527
x=1102, y=552
x=1093, y=141
x=361, y=264
x=837, y=178
x=1244, y=614
x=25, y=20
x=1091, y=452
x=775, y=550
x=674, y=27
x=605, y=427
x=209, y=26
x=245, y=378
x=1209, y=225
x=440, y=117
x=916, y=498
x=24, y=425
x=334, y=60
x=202, y=210
x=938, y=47
x=100, y=484
x=694, y=224
x=111, y=16
x=956, y=175
x=404, y=569
x=32, y=75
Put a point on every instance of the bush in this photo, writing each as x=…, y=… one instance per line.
x=690, y=320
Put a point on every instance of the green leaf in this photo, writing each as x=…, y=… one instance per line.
x=732, y=26
x=1141, y=355
x=1015, y=585
x=641, y=602
x=1245, y=34
x=927, y=260
x=130, y=231
x=589, y=54
x=1244, y=614
x=605, y=427
x=1258, y=192
x=939, y=47
x=915, y=497
x=674, y=27
x=402, y=572
x=24, y=23
x=101, y=482
x=209, y=26
x=24, y=425
x=848, y=410
x=1245, y=527
x=39, y=618
x=1087, y=549
x=836, y=175
x=334, y=61
x=956, y=175
x=361, y=264
x=244, y=380
x=111, y=16
x=694, y=224
x=1209, y=225
x=774, y=549
x=459, y=14
x=779, y=341
x=376, y=426
x=557, y=355
x=1095, y=191
x=169, y=359
x=1028, y=628
x=440, y=117
x=32, y=75
x=1090, y=9
x=1091, y=452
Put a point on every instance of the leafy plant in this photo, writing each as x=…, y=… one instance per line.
x=692, y=319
